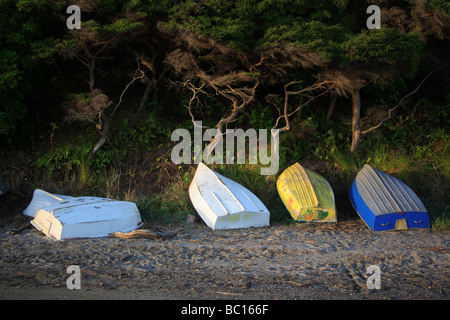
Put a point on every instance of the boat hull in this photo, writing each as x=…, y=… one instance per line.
x=41, y=199
x=390, y=204
x=225, y=204
x=87, y=217
x=307, y=196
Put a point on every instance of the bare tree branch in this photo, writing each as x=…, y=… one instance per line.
x=106, y=120
x=139, y=74
x=391, y=111
x=325, y=86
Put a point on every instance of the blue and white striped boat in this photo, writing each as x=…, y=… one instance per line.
x=386, y=203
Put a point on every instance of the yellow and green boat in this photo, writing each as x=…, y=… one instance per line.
x=307, y=195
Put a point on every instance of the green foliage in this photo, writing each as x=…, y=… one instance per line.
x=172, y=204
x=384, y=45
x=143, y=133
x=260, y=117
x=315, y=35
x=241, y=24
x=67, y=160
x=30, y=30
x=443, y=5
x=215, y=18
x=24, y=38
x=121, y=26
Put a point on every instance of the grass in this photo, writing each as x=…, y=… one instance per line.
x=441, y=222
x=171, y=205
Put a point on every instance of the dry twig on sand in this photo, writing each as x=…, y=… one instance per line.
x=155, y=235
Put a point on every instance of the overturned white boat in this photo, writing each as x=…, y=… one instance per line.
x=41, y=199
x=87, y=217
x=223, y=203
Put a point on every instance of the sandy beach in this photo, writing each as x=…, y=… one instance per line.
x=293, y=261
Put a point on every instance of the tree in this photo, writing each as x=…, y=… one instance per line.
x=241, y=53
x=88, y=45
x=207, y=67
x=220, y=53
x=352, y=59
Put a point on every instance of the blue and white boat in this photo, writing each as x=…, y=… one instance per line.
x=386, y=203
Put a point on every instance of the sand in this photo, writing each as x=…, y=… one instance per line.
x=293, y=261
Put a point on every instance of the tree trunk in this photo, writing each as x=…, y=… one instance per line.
x=103, y=133
x=145, y=96
x=331, y=107
x=356, y=129
x=91, y=76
